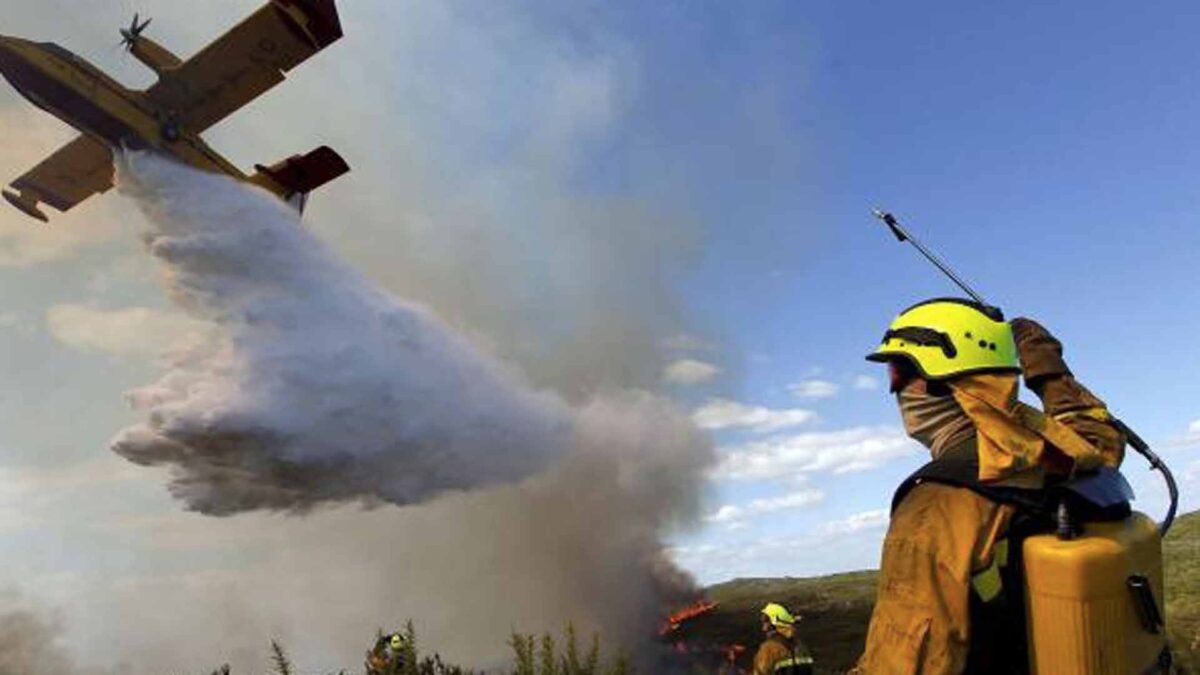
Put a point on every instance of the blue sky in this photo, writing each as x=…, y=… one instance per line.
x=1045, y=151
x=1048, y=151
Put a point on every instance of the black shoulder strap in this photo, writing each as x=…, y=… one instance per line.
x=959, y=467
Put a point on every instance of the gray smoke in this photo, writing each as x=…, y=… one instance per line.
x=315, y=387
x=30, y=643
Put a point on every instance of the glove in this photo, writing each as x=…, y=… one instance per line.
x=1039, y=351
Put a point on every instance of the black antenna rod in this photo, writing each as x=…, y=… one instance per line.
x=903, y=235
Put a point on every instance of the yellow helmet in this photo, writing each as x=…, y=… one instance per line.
x=396, y=642
x=778, y=615
x=949, y=337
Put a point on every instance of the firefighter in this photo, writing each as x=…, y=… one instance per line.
x=387, y=656
x=781, y=653
x=942, y=607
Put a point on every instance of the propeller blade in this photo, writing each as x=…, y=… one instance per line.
x=131, y=34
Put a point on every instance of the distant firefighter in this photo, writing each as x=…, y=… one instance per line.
x=387, y=656
x=781, y=653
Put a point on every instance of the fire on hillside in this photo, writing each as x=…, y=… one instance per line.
x=722, y=658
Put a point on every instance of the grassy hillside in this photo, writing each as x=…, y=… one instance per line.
x=835, y=612
x=836, y=608
x=1182, y=553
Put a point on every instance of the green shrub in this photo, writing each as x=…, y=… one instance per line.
x=529, y=659
x=531, y=656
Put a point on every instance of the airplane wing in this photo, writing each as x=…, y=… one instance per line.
x=75, y=172
x=247, y=61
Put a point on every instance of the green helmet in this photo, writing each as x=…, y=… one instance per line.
x=949, y=337
x=778, y=615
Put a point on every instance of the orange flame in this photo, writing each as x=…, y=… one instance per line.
x=732, y=651
x=672, y=622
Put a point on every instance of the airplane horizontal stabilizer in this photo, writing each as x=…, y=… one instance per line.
x=301, y=174
x=27, y=204
x=321, y=21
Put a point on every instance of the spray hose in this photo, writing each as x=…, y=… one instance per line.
x=1157, y=464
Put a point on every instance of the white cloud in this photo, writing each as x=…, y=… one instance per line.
x=1189, y=438
x=1193, y=473
x=687, y=343
x=720, y=413
x=866, y=520
x=788, y=501
x=844, y=451
x=125, y=332
x=865, y=383
x=813, y=389
x=725, y=514
x=849, y=543
x=690, y=371
x=737, y=515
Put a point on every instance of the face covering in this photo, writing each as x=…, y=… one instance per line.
x=937, y=422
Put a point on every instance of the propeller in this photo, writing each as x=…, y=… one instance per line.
x=130, y=35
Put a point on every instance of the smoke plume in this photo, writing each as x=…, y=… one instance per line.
x=29, y=643
x=314, y=387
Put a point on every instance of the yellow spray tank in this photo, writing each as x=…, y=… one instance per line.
x=1094, y=593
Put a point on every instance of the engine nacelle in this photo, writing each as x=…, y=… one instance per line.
x=157, y=57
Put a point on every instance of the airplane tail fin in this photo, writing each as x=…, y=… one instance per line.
x=299, y=175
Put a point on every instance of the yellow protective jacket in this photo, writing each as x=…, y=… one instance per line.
x=778, y=655
x=938, y=537
x=941, y=536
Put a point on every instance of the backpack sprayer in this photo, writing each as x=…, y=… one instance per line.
x=1091, y=593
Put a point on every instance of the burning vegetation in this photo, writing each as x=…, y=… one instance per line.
x=698, y=649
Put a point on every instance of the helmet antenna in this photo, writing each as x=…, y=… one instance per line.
x=903, y=235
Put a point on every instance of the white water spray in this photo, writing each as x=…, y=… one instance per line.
x=316, y=386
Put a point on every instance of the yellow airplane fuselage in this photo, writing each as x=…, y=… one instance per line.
x=83, y=96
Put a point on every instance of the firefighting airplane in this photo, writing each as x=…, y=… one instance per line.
x=189, y=97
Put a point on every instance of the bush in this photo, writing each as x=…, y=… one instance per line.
x=535, y=656
x=532, y=656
